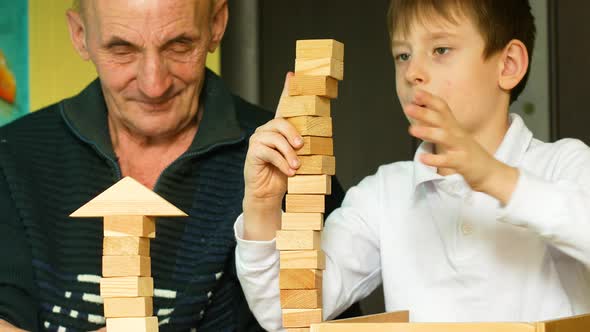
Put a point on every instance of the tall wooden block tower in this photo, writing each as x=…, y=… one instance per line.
x=319, y=65
x=129, y=210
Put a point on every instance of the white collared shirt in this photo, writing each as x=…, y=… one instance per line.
x=445, y=252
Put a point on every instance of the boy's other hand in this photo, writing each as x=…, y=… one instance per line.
x=271, y=158
x=456, y=150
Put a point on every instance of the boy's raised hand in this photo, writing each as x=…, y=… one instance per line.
x=270, y=159
x=458, y=151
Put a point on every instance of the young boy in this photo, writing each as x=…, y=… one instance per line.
x=485, y=224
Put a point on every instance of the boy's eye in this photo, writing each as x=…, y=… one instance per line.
x=402, y=57
x=441, y=50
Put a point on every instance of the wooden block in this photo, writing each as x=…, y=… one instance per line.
x=301, y=298
x=302, y=221
x=300, y=279
x=429, y=327
x=387, y=317
x=319, y=48
x=305, y=203
x=298, y=329
x=568, y=324
x=126, y=266
x=303, y=85
x=127, y=198
x=306, y=259
x=317, y=165
x=320, y=67
x=300, y=317
x=312, y=125
x=129, y=226
x=119, y=307
x=298, y=240
x=126, y=287
x=125, y=246
x=316, y=145
x=310, y=184
x=139, y=324
x=290, y=106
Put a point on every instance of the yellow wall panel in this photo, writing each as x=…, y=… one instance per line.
x=56, y=70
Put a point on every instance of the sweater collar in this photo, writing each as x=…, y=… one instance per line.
x=86, y=115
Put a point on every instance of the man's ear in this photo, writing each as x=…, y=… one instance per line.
x=514, y=64
x=77, y=28
x=218, y=23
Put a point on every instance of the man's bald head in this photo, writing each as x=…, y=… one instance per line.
x=78, y=5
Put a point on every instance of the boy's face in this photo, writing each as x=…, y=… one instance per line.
x=447, y=60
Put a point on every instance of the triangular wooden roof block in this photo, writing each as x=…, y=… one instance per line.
x=128, y=198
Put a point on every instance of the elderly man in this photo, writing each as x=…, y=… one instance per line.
x=155, y=114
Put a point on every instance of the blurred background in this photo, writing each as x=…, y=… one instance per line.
x=38, y=66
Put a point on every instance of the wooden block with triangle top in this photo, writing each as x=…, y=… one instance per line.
x=128, y=198
x=128, y=209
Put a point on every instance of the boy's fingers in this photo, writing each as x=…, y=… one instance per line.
x=285, y=128
x=431, y=101
x=278, y=142
x=431, y=135
x=435, y=160
x=424, y=116
x=272, y=156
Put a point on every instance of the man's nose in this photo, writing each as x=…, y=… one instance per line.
x=154, y=78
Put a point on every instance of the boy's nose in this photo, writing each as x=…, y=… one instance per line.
x=416, y=73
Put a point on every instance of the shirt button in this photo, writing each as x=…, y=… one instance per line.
x=467, y=228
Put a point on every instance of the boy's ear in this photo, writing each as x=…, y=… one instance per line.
x=514, y=65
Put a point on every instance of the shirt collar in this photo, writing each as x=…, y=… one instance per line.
x=511, y=151
x=86, y=115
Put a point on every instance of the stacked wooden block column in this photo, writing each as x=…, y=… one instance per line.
x=127, y=288
x=318, y=67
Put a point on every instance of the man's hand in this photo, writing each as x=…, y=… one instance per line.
x=271, y=158
x=457, y=151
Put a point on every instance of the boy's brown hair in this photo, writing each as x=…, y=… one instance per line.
x=498, y=21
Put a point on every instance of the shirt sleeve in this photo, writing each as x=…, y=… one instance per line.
x=556, y=207
x=350, y=242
